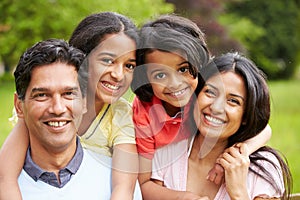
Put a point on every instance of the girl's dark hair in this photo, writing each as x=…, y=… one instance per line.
x=169, y=33
x=256, y=113
x=91, y=30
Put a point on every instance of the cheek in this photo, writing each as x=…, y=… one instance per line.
x=193, y=82
x=128, y=78
x=196, y=114
x=157, y=89
x=237, y=116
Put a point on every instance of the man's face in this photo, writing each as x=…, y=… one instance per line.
x=53, y=107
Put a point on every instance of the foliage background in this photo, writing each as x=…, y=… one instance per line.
x=24, y=22
x=267, y=32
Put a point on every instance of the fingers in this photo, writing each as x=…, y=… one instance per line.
x=235, y=156
x=216, y=174
x=220, y=174
x=244, y=149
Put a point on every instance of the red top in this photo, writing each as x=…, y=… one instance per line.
x=154, y=128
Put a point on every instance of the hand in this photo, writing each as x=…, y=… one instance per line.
x=216, y=174
x=235, y=161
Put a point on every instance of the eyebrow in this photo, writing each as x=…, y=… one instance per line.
x=184, y=62
x=113, y=55
x=155, y=71
x=41, y=89
x=231, y=94
x=106, y=53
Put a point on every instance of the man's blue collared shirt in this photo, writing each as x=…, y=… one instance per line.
x=65, y=174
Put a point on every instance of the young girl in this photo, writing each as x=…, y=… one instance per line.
x=109, y=40
x=172, y=50
x=233, y=106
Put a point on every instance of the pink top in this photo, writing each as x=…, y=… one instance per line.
x=154, y=128
x=170, y=165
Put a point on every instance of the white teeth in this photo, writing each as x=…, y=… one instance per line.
x=213, y=120
x=178, y=92
x=112, y=87
x=57, y=124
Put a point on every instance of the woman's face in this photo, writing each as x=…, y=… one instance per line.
x=220, y=106
x=170, y=78
x=111, y=66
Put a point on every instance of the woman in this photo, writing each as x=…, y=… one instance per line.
x=232, y=106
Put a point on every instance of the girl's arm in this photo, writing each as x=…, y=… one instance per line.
x=124, y=172
x=217, y=173
x=154, y=189
x=12, y=157
x=259, y=140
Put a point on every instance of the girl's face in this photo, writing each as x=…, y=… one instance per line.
x=170, y=78
x=221, y=105
x=111, y=66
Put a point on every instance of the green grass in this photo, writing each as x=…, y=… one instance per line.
x=285, y=123
x=285, y=120
x=7, y=102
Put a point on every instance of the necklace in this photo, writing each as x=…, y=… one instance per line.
x=98, y=123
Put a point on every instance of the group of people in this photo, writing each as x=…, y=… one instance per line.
x=196, y=129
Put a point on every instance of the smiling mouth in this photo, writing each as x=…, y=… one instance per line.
x=178, y=93
x=56, y=123
x=214, y=120
x=110, y=86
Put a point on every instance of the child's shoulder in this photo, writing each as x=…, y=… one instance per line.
x=121, y=106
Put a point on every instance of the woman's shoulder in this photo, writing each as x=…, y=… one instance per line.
x=269, y=159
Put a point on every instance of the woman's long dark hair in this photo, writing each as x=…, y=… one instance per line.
x=256, y=113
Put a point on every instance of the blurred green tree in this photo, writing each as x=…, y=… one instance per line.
x=270, y=31
x=266, y=31
x=23, y=23
x=205, y=13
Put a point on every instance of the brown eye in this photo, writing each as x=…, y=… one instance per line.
x=160, y=76
x=40, y=96
x=183, y=69
x=234, y=101
x=209, y=92
x=130, y=66
x=107, y=61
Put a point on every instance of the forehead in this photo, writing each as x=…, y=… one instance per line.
x=53, y=75
x=162, y=59
x=117, y=44
x=230, y=82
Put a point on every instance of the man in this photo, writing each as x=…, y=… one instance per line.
x=50, y=97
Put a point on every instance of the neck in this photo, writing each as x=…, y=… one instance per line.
x=52, y=159
x=205, y=148
x=93, y=109
x=170, y=109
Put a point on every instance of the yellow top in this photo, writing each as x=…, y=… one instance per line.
x=112, y=126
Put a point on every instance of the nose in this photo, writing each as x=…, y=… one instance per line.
x=217, y=106
x=117, y=72
x=175, y=81
x=57, y=106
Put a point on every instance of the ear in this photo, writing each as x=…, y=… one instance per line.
x=18, y=106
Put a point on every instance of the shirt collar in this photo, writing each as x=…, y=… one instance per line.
x=160, y=112
x=35, y=172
